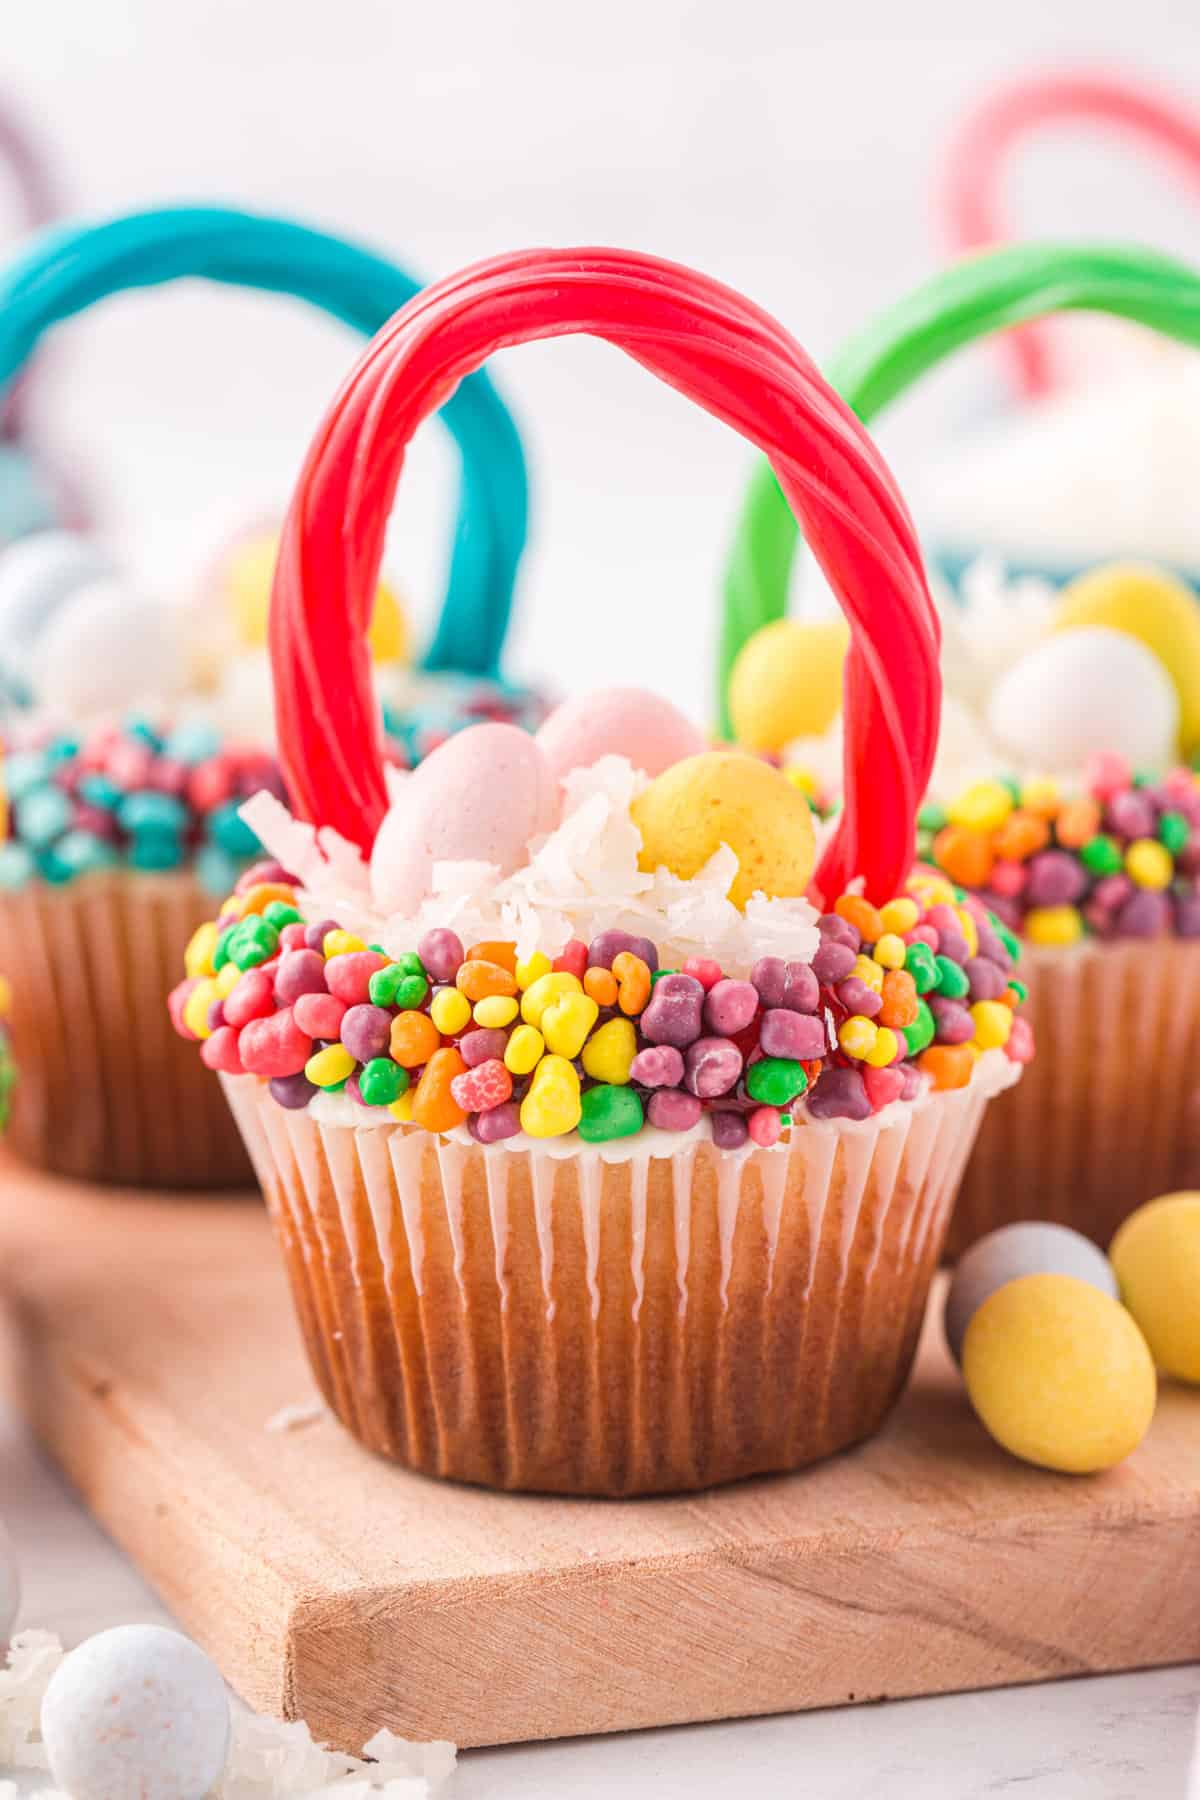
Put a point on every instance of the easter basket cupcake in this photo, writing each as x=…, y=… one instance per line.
x=594, y=1166
x=1091, y=865
x=124, y=794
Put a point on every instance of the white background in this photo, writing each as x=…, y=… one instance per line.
x=790, y=148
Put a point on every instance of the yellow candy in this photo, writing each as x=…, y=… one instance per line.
x=900, y=915
x=993, y=1023
x=5, y=996
x=890, y=951
x=340, y=943
x=402, y=1108
x=450, y=1011
x=787, y=682
x=552, y=1107
x=528, y=972
x=524, y=1050
x=868, y=970
x=1059, y=1373
x=982, y=807
x=495, y=1011
x=1054, y=925
x=565, y=1024
x=228, y=977
x=249, y=575
x=1154, y=606
x=804, y=779
x=722, y=797
x=545, y=991
x=882, y=1053
x=198, y=957
x=1156, y=1258
x=325, y=1068
x=608, y=1054
x=858, y=1036
x=1149, y=863
x=1042, y=796
x=195, y=1013
x=931, y=890
x=969, y=928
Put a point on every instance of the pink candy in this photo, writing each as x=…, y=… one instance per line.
x=479, y=1089
x=220, y=1051
x=764, y=1126
x=252, y=998
x=318, y=1015
x=573, y=959
x=349, y=976
x=274, y=1046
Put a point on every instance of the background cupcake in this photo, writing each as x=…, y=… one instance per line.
x=1099, y=869
x=600, y=1159
x=121, y=817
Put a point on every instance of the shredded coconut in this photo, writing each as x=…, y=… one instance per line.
x=296, y=1416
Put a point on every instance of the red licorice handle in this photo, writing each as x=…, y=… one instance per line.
x=732, y=359
x=975, y=215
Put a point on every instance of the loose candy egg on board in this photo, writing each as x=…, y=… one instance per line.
x=787, y=682
x=36, y=576
x=1158, y=609
x=1027, y=1248
x=725, y=797
x=1156, y=1255
x=137, y=1713
x=621, y=721
x=1059, y=1374
x=1084, y=692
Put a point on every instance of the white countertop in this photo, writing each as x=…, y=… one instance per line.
x=1121, y=1737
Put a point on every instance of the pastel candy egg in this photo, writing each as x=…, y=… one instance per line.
x=1153, y=606
x=1028, y=1248
x=1059, y=1374
x=248, y=575
x=138, y=1713
x=787, y=682
x=1156, y=1255
x=621, y=721
x=724, y=797
x=36, y=576
x=479, y=797
x=1081, y=693
x=104, y=650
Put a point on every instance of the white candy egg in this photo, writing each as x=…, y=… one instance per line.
x=1081, y=692
x=36, y=576
x=138, y=1713
x=106, y=649
x=1028, y=1248
x=10, y=1587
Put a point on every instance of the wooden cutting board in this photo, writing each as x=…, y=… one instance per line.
x=150, y=1343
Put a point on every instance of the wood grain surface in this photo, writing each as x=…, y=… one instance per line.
x=150, y=1342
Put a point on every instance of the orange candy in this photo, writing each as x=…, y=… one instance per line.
x=633, y=981
x=434, y=1106
x=860, y=913
x=257, y=899
x=899, y=1000
x=415, y=1039
x=503, y=955
x=479, y=978
x=1078, y=821
x=1021, y=836
x=947, y=1065
x=966, y=856
x=600, y=985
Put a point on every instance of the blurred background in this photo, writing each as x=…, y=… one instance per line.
x=790, y=150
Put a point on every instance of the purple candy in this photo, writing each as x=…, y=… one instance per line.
x=503, y=1121
x=712, y=1067
x=797, y=1036
x=954, y=1023
x=366, y=1032
x=1055, y=879
x=610, y=944
x=730, y=1007
x=659, y=1067
x=729, y=1130
x=802, y=992
x=1130, y=815
x=832, y=925
x=769, y=976
x=1187, y=915
x=989, y=944
x=292, y=1091
x=790, y=984
x=482, y=1046
x=670, y=1109
x=839, y=1094
x=299, y=972
x=987, y=980
x=1148, y=914
x=675, y=1012
x=1099, y=919
x=441, y=953
x=833, y=962
x=953, y=944
x=1113, y=891
x=856, y=997
x=315, y=936
x=913, y=1081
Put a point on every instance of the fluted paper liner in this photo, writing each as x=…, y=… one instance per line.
x=1108, y=1114
x=613, y=1319
x=107, y=1091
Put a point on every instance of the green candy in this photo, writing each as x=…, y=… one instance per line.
x=410, y=964
x=775, y=1080
x=410, y=992
x=381, y=1081
x=925, y=846
x=952, y=978
x=383, y=983
x=919, y=1035
x=251, y=941
x=1012, y=787
x=1009, y=939
x=918, y=960
x=1101, y=855
x=932, y=817
x=1174, y=832
x=221, y=953
x=279, y=914
x=656, y=975
x=610, y=1112
x=1019, y=989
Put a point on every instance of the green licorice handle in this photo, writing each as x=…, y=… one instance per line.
x=985, y=294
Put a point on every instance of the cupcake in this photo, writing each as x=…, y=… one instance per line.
x=606, y=1142
x=124, y=787
x=1064, y=803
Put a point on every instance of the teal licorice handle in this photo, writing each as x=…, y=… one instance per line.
x=69, y=268
x=985, y=294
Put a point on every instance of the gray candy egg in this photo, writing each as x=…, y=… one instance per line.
x=1013, y=1251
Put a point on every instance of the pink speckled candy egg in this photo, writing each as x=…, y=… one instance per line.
x=620, y=721
x=479, y=797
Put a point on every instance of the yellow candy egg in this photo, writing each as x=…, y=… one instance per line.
x=722, y=797
x=787, y=682
x=1059, y=1374
x=1153, y=606
x=249, y=573
x=1156, y=1256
